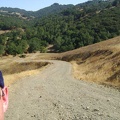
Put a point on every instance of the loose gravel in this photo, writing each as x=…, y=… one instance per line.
x=54, y=94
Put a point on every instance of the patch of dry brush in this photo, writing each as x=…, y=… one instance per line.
x=14, y=71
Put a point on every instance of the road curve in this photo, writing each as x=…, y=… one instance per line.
x=54, y=94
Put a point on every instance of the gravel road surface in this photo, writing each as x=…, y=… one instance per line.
x=54, y=94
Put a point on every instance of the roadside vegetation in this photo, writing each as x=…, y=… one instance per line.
x=13, y=69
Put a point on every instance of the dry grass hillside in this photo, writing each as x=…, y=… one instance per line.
x=98, y=63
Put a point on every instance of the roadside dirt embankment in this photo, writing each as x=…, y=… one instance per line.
x=15, y=68
x=98, y=63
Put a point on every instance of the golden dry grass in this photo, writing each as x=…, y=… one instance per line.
x=98, y=63
x=11, y=78
x=4, y=31
x=13, y=70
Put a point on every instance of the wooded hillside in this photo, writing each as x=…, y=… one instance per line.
x=72, y=27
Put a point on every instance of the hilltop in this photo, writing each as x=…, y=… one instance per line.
x=52, y=9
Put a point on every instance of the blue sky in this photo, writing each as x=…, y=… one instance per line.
x=35, y=5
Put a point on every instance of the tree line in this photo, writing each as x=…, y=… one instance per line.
x=72, y=28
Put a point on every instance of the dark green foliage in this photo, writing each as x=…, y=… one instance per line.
x=34, y=45
x=75, y=27
x=116, y=3
x=16, y=47
x=3, y=40
x=22, y=56
x=11, y=22
x=53, y=9
x=2, y=49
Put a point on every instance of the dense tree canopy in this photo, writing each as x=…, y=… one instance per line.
x=74, y=27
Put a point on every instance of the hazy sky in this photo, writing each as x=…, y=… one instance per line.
x=35, y=4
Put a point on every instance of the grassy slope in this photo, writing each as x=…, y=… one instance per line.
x=98, y=62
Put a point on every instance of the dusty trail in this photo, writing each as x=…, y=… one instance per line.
x=55, y=95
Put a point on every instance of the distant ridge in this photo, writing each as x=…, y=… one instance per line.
x=53, y=9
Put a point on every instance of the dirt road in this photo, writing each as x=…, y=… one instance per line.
x=54, y=94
